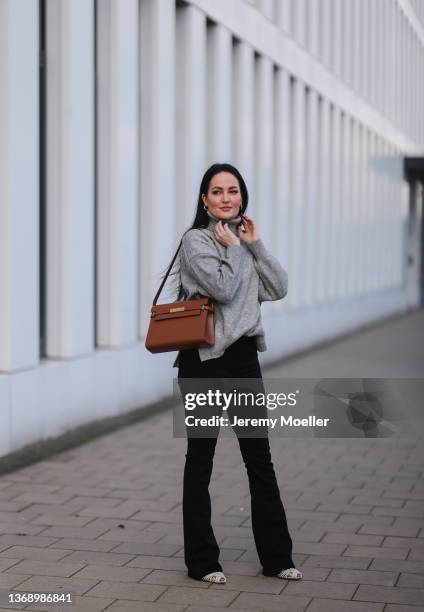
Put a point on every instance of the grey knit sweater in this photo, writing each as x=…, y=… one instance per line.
x=238, y=278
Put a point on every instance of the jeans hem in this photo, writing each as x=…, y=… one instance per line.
x=274, y=572
x=199, y=576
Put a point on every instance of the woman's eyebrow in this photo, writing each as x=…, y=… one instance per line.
x=232, y=187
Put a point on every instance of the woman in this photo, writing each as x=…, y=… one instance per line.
x=226, y=260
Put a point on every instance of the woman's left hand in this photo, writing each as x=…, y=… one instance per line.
x=251, y=234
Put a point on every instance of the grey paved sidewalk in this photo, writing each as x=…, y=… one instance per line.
x=103, y=521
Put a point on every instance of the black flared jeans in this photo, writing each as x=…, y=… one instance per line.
x=269, y=524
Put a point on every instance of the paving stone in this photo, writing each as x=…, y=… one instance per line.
x=401, y=608
x=415, y=567
x=395, y=542
x=311, y=548
x=212, y=596
x=332, y=605
x=127, y=509
x=126, y=590
x=260, y=584
x=347, y=519
x=62, y=520
x=363, y=577
x=79, y=604
x=145, y=548
x=123, y=605
x=416, y=554
x=214, y=609
x=173, y=577
x=155, y=562
x=30, y=552
x=17, y=528
x=311, y=588
x=80, y=544
x=376, y=553
x=390, y=594
x=112, y=572
x=38, y=497
x=227, y=554
x=26, y=540
x=75, y=586
x=260, y=601
x=411, y=580
x=389, y=530
x=6, y=563
x=92, y=557
x=241, y=569
x=43, y=568
x=333, y=561
x=89, y=532
x=349, y=538
x=9, y=581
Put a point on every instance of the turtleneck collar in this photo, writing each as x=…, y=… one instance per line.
x=232, y=223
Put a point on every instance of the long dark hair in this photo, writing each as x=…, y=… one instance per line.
x=201, y=219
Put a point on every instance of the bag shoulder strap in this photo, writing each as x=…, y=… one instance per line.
x=168, y=271
x=166, y=275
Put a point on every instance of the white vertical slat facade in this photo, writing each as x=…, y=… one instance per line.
x=315, y=101
x=117, y=165
x=70, y=178
x=190, y=110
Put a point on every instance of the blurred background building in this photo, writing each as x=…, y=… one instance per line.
x=110, y=112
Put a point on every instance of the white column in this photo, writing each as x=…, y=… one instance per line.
x=338, y=41
x=347, y=204
x=283, y=15
x=312, y=199
x=391, y=61
x=264, y=147
x=281, y=175
x=398, y=63
x=19, y=186
x=401, y=214
x=157, y=55
x=298, y=153
x=380, y=220
x=336, y=169
x=243, y=119
x=325, y=174
x=365, y=47
x=348, y=9
x=314, y=18
x=371, y=263
x=70, y=177
x=219, y=94
x=353, y=216
x=266, y=7
x=387, y=213
x=372, y=57
x=190, y=128
x=386, y=45
x=298, y=20
x=363, y=203
x=326, y=32
x=117, y=172
x=357, y=36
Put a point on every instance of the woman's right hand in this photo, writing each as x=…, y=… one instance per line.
x=224, y=235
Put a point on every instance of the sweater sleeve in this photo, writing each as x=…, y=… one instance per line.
x=218, y=276
x=273, y=279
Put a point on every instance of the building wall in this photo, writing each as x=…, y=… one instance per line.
x=111, y=110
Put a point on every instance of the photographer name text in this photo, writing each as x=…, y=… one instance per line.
x=283, y=421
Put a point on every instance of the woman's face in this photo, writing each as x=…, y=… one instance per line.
x=224, y=197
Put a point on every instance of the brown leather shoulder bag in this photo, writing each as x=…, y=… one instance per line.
x=180, y=325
